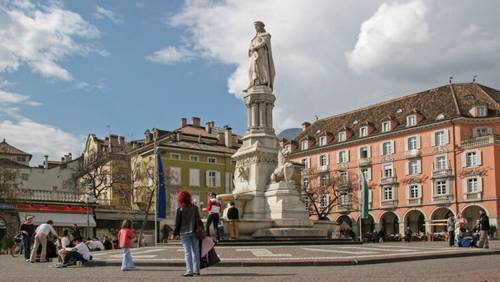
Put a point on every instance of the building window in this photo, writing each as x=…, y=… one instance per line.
x=342, y=136
x=307, y=202
x=344, y=199
x=411, y=120
x=441, y=188
x=440, y=162
x=194, y=158
x=342, y=156
x=472, y=185
x=323, y=160
x=343, y=177
x=304, y=145
x=306, y=163
x=211, y=180
x=413, y=167
x=212, y=160
x=412, y=143
x=305, y=184
x=175, y=175
x=322, y=141
x=482, y=131
x=387, y=172
x=324, y=180
x=387, y=148
x=324, y=200
x=414, y=191
x=175, y=156
x=440, y=138
x=363, y=152
x=386, y=126
x=194, y=177
x=363, y=131
x=387, y=192
x=24, y=176
x=481, y=111
x=471, y=159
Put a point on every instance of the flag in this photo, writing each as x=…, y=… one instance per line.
x=363, y=197
x=161, y=199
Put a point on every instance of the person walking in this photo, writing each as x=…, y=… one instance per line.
x=234, y=216
x=484, y=228
x=213, y=210
x=125, y=236
x=41, y=234
x=27, y=230
x=451, y=230
x=188, y=226
x=408, y=234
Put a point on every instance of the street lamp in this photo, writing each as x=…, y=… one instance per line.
x=88, y=199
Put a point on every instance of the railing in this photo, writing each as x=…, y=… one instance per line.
x=306, y=171
x=364, y=162
x=442, y=198
x=441, y=173
x=479, y=141
x=389, y=203
x=413, y=153
x=389, y=180
x=322, y=168
x=40, y=195
x=413, y=202
x=343, y=183
x=472, y=196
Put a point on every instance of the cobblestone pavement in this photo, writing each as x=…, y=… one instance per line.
x=172, y=255
x=480, y=268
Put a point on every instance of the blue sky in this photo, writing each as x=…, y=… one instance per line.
x=68, y=68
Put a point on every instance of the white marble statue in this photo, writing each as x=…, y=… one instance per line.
x=284, y=170
x=261, y=67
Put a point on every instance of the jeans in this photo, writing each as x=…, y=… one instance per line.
x=451, y=237
x=127, y=261
x=27, y=242
x=213, y=218
x=191, y=246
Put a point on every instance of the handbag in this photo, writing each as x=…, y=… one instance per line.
x=198, y=229
x=210, y=259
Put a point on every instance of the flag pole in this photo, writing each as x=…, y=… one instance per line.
x=361, y=207
x=155, y=148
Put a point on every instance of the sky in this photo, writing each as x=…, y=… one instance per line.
x=70, y=68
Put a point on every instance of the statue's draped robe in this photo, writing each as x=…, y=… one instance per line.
x=261, y=68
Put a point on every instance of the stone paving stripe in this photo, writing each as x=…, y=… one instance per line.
x=337, y=251
x=263, y=253
x=378, y=249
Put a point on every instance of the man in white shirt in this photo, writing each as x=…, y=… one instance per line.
x=41, y=233
x=80, y=252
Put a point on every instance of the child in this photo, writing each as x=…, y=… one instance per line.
x=125, y=236
x=220, y=229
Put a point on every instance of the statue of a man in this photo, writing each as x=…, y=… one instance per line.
x=261, y=68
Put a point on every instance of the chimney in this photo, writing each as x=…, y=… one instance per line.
x=183, y=122
x=121, y=140
x=178, y=136
x=156, y=134
x=228, y=136
x=147, y=136
x=70, y=157
x=220, y=137
x=305, y=125
x=196, y=121
x=113, y=140
x=208, y=127
x=46, y=161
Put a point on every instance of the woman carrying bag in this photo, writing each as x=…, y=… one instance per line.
x=189, y=227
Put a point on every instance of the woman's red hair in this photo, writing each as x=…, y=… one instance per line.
x=183, y=199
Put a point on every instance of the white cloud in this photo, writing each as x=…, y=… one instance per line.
x=39, y=139
x=393, y=48
x=13, y=98
x=389, y=35
x=40, y=36
x=171, y=55
x=103, y=13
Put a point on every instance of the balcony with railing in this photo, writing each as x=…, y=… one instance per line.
x=306, y=171
x=344, y=203
x=364, y=161
x=416, y=153
x=414, y=201
x=388, y=180
x=322, y=168
x=472, y=196
x=388, y=203
x=479, y=141
x=38, y=195
x=343, y=183
x=442, y=198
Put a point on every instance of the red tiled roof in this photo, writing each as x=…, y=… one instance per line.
x=6, y=148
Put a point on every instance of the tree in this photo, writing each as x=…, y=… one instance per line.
x=9, y=183
x=144, y=185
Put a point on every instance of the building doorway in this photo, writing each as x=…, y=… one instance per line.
x=471, y=213
x=416, y=220
x=439, y=218
x=390, y=223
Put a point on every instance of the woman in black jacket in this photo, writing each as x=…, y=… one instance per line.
x=187, y=220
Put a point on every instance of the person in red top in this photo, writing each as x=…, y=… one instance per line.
x=213, y=210
x=125, y=236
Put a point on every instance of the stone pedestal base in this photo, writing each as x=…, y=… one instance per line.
x=283, y=202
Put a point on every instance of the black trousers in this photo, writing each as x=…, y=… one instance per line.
x=72, y=257
x=213, y=218
x=451, y=234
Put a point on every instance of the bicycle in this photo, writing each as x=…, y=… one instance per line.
x=17, y=249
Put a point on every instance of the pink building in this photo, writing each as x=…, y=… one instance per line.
x=425, y=156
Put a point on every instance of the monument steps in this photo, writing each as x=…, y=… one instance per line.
x=286, y=241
